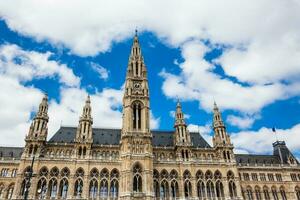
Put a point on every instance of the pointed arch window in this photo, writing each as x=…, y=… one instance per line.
x=274, y=193
x=42, y=188
x=53, y=188
x=63, y=188
x=137, y=178
x=283, y=194
x=266, y=193
x=10, y=191
x=297, y=191
x=137, y=115
x=78, y=188
x=93, y=188
x=114, y=189
x=164, y=190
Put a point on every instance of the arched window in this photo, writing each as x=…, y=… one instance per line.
x=156, y=188
x=78, y=188
x=53, y=188
x=63, y=188
x=187, y=184
x=249, y=194
x=297, y=192
x=210, y=190
x=282, y=193
x=274, y=193
x=103, y=188
x=42, y=188
x=201, y=189
x=114, y=189
x=10, y=191
x=164, y=191
x=266, y=193
x=137, y=115
x=174, y=189
x=219, y=190
x=93, y=188
x=137, y=178
x=1, y=190
x=174, y=184
x=104, y=176
x=232, y=189
x=257, y=193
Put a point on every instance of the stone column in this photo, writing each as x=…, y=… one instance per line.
x=70, y=194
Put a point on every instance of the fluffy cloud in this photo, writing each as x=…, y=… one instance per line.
x=261, y=44
x=27, y=65
x=102, y=71
x=243, y=122
x=197, y=81
x=261, y=141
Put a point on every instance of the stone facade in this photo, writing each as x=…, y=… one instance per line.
x=137, y=163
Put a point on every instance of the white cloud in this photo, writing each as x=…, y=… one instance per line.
x=260, y=141
x=102, y=71
x=198, y=82
x=243, y=122
x=29, y=65
x=15, y=111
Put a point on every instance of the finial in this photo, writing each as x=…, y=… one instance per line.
x=215, y=105
x=136, y=31
x=178, y=103
x=88, y=100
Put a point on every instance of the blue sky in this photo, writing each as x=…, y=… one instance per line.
x=253, y=76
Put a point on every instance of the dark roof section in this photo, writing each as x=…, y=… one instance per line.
x=256, y=159
x=112, y=137
x=11, y=152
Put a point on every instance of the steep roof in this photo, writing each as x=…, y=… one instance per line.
x=11, y=152
x=112, y=137
x=256, y=159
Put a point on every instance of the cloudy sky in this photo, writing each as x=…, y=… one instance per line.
x=245, y=55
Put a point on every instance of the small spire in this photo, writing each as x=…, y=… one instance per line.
x=178, y=103
x=88, y=100
x=136, y=32
x=215, y=106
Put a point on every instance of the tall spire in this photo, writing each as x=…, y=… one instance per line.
x=179, y=116
x=221, y=136
x=86, y=113
x=217, y=121
x=182, y=136
x=84, y=130
x=136, y=96
x=136, y=65
x=43, y=108
x=39, y=124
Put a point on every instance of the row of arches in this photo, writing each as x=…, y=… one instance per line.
x=6, y=192
x=209, y=185
x=56, y=183
x=266, y=193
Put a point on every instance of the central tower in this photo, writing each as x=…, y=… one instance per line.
x=136, y=138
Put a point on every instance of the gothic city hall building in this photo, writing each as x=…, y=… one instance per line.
x=138, y=163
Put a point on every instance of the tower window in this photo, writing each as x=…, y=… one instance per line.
x=137, y=68
x=137, y=115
